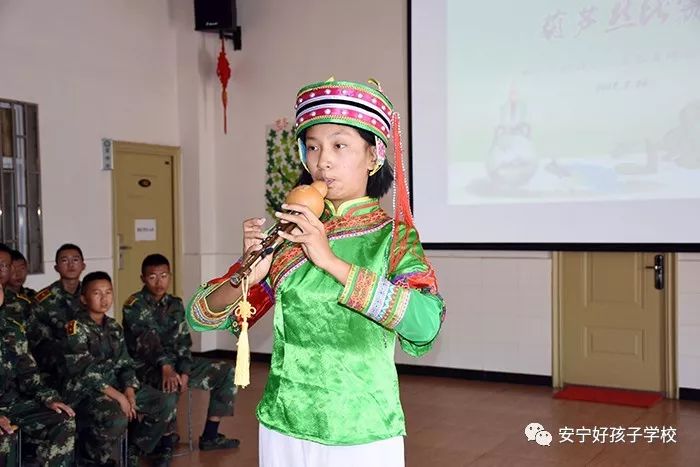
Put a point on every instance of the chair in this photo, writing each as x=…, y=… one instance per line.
x=189, y=426
x=14, y=457
x=123, y=449
x=19, y=447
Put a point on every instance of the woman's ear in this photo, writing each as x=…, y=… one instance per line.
x=372, y=159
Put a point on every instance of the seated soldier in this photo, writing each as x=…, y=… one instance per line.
x=54, y=306
x=102, y=386
x=159, y=342
x=19, y=276
x=16, y=306
x=27, y=403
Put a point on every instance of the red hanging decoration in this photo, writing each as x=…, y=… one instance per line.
x=223, y=71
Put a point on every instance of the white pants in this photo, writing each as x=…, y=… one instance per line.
x=278, y=450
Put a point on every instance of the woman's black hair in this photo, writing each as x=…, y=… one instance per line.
x=378, y=184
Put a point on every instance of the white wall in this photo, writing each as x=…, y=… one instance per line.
x=285, y=46
x=136, y=71
x=499, y=312
x=198, y=101
x=97, y=69
x=499, y=303
x=483, y=327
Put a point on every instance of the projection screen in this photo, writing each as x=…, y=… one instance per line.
x=549, y=122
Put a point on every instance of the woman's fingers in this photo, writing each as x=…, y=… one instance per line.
x=306, y=212
x=299, y=237
x=301, y=209
x=253, y=222
x=252, y=249
x=251, y=226
x=299, y=219
x=255, y=236
x=252, y=231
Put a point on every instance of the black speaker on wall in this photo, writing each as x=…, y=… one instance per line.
x=218, y=16
x=214, y=15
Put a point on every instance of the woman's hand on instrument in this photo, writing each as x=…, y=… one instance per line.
x=253, y=236
x=253, y=232
x=310, y=233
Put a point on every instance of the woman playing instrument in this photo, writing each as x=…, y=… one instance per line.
x=343, y=287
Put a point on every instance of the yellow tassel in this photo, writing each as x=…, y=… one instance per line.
x=245, y=310
x=242, y=374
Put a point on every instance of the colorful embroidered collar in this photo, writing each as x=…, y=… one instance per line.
x=353, y=207
x=352, y=219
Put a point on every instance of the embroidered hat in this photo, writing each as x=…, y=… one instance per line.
x=345, y=103
x=365, y=107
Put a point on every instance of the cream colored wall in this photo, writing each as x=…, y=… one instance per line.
x=287, y=45
x=83, y=78
x=492, y=296
x=96, y=69
x=196, y=104
x=499, y=312
x=499, y=303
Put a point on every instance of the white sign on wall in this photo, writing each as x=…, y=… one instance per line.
x=145, y=230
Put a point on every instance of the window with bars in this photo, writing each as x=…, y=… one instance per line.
x=20, y=182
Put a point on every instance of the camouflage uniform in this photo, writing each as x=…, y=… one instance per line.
x=17, y=306
x=157, y=334
x=6, y=445
x=27, y=292
x=7, y=453
x=53, y=308
x=23, y=400
x=96, y=357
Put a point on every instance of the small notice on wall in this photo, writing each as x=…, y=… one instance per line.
x=145, y=230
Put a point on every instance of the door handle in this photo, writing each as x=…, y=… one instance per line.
x=122, y=248
x=659, y=273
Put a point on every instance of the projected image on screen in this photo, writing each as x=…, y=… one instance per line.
x=551, y=101
x=549, y=122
